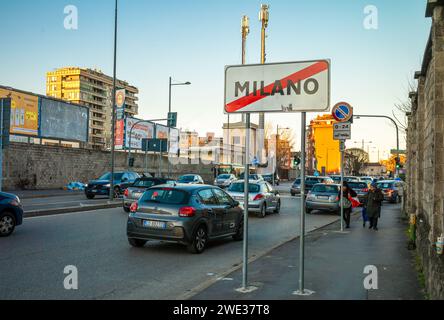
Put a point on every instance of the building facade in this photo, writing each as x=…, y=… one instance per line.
x=323, y=152
x=93, y=89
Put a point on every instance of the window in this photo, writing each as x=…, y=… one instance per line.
x=236, y=140
x=239, y=187
x=207, y=197
x=165, y=195
x=222, y=197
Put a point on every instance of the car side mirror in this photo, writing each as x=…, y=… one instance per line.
x=236, y=203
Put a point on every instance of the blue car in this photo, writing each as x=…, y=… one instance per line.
x=11, y=213
x=101, y=186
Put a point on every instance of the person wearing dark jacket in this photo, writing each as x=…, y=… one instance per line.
x=373, y=202
x=347, y=192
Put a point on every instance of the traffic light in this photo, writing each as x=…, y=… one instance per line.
x=398, y=163
x=296, y=161
x=172, y=119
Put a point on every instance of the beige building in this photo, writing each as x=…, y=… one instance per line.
x=94, y=89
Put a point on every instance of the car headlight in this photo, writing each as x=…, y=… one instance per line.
x=107, y=185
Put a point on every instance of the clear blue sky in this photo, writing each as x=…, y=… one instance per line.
x=193, y=41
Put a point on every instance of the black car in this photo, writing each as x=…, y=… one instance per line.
x=101, y=186
x=11, y=213
x=269, y=178
x=186, y=214
x=136, y=190
x=310, y=181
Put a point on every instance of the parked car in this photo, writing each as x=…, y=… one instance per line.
x=323, y=197
x=224, y=180
x=102, y=185
x=361, y=188
x=190, y=179
x=252, y=177
x=337, y=179
x=366, y=179
x=187, y=214
x=11, y=213
x=310, y=181
x=262, y=198
x=393, y=190
x=269, y=178
x=136, y=190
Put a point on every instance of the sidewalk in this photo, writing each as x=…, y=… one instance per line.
x=334, y=265
x=31, y=194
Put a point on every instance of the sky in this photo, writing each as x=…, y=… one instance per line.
x=193, y=40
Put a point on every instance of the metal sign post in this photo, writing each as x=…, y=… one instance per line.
x=246, y=193
x=1, y=146
x=342, y=147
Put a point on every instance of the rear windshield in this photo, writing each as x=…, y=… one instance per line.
x=239, y=187
x=384, y=185
x=165, y=195
x=325, y=188
x=297, y=181
x=357, y=185
x=224, y=176
x=144, y=183
x=186, y=179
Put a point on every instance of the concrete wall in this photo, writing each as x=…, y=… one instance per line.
x=425, y=150
x=34, y=166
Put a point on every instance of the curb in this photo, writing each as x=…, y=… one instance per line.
x=57, y=211
x=191, y=293
x=47, y=195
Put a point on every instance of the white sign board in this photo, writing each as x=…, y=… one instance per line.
x=278, y=87
x=342, y=131
x=142, y=130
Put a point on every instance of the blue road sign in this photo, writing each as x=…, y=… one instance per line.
x=342, y=111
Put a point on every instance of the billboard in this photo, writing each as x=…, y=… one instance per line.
x=162, y=133
x=24, y=112
x=63, y=121
x=140, y=131
x=119, y=134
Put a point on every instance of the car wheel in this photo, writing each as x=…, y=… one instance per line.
x=293, y=194
x=199, y=241
x=138, y=243
x=7, y=224
x=239, y=236
x=278, y=207
x=90, y=196
x=127, y=210
x=263, y=211
x=307, y=210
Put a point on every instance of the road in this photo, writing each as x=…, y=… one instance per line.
x=32, y=260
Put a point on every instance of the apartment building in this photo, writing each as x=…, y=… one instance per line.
x=94, y=89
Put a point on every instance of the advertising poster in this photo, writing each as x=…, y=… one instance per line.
x=119, y=134
x=143, y=130
x=24, y=112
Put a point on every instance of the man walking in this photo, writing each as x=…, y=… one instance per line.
x=373, y=203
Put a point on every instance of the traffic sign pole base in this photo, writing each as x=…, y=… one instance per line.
x=304, y=293
x=247, y=289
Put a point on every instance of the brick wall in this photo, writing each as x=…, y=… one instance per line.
x=425, y=136
x=52, y=167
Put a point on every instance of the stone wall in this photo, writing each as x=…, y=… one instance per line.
x=425, y=150
x=32, y=166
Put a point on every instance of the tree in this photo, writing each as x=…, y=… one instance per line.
x=354, y=160
x=402, y=108
x=390, y=163
x=285, y=143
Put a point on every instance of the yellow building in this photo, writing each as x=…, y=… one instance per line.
x=325, y=155
x=93, y=89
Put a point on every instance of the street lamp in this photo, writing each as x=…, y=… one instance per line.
x=169, y=112
x=113, y=117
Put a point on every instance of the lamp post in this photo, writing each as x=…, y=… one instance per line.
x=263, y=18
x=169, y=111
x=113, y=117
x=358, y=116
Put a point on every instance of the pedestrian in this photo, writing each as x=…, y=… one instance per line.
x=373, y=202
x=364, y=215
x=347, y=193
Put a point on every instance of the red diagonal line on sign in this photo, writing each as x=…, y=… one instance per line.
x=295, y=77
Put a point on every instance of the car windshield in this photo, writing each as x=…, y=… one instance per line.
x=297, y=181
x=239, y=187
x=384, y=185
x=357, y=185
x=325, y=189
x=186, y=179
x=165, y=195
x=107, y=176
x=224, y=176
x=143, y=183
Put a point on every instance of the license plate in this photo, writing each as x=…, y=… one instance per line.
x=154, y=224
x=323, y=197
x=136, y=195
x=239, y=198
x=94, y=191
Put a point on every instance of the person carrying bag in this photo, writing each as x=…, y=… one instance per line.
x=347, y=194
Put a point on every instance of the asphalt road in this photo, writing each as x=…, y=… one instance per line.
x=33, y=259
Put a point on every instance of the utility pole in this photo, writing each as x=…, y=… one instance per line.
x=263, y=17
x=113, y=117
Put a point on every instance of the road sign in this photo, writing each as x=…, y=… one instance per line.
x=278, y=87
x=342, y=112
x=394, y=151
x=172, y=119
x=342, y=131
x=155, y=145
